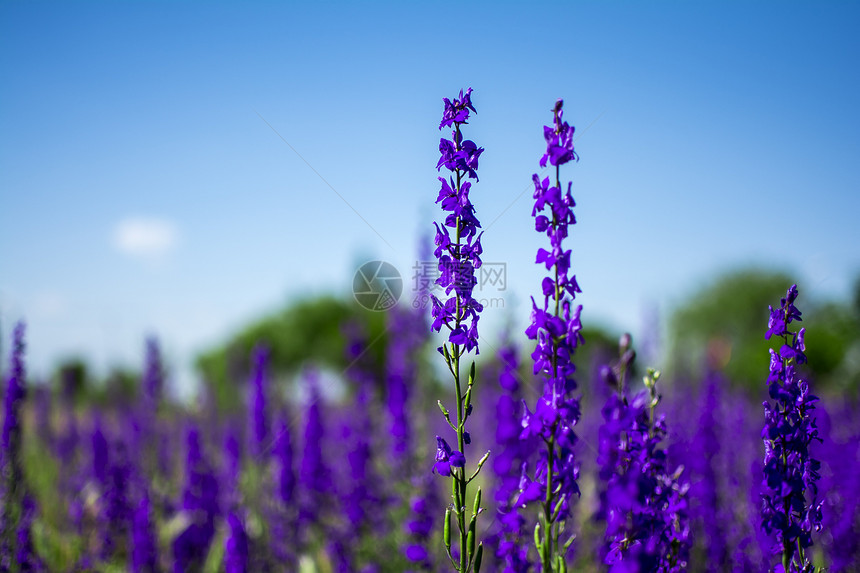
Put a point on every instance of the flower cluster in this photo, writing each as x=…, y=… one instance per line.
x=642, y=497
x=314, y=470
x=12, y=488
x=555, y=325
x=406, y=337
x=200, y=504
x=513, y=452
x=459, y=255
x=790, y=472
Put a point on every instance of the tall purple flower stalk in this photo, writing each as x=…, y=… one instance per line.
x=789, y=507
x=711, y=512
x=26, y=558
x=235, y=545
x=314, y=472
x=231, y=466
x=643, y=499
x=200, y=504
x=12, y=488
x=513, y=454
x=361, y=492
x=405, y=340
x=258, y=401
x=117, y=511
x=556, y=326
x=284, y=514
x=458, y=255
x=144, y=553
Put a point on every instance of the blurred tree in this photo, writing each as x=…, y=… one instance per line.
x=307, y=331
x=72, y=380
x=119, y=388
x=721, y=327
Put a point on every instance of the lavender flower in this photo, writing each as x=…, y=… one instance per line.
x=556, y=327
x=841, y=482
x=200, y=503
x=362, y=499
x=790, y=471
x=507, y=466
x=419, y=527
x=144, y=557
x=283, y=450
x=117, y=512
x=235, y=546
x=259, y=403
x=25, y=553
x=643, y=498
x=710, y=507
x=231, y=466
x=458, y=258
x=405, y=339
x=283, y=513
x=10, y=447
x=314, y=474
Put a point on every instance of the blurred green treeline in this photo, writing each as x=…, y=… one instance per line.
x=719, y=326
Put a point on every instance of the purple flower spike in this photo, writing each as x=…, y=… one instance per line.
x=555, y=326
x=144, y=546
x=459, y=255
x=235, y=546
x=458, y=250
x=259, y=404
x=789, y=505
x=12, y=486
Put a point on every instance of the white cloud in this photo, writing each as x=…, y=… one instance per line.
x=145, y=237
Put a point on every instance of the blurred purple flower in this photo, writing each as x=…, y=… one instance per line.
x=12, y=487
x=235, y=546
x=26, y=558
x=144, y=556
x=200, y=504
x=314, y=474
x=259, y=402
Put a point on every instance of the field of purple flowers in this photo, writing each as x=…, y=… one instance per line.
x=523, y=462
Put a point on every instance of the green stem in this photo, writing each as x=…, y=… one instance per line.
x=459, y=474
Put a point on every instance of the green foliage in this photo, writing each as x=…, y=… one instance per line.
x=309, y=330
x=722, y=326
x=832, y=341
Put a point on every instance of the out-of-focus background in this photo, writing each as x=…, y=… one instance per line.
x=196, y=170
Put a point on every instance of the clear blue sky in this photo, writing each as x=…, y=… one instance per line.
x=142, y=191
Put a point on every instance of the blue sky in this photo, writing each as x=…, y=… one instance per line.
x=142, y=189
